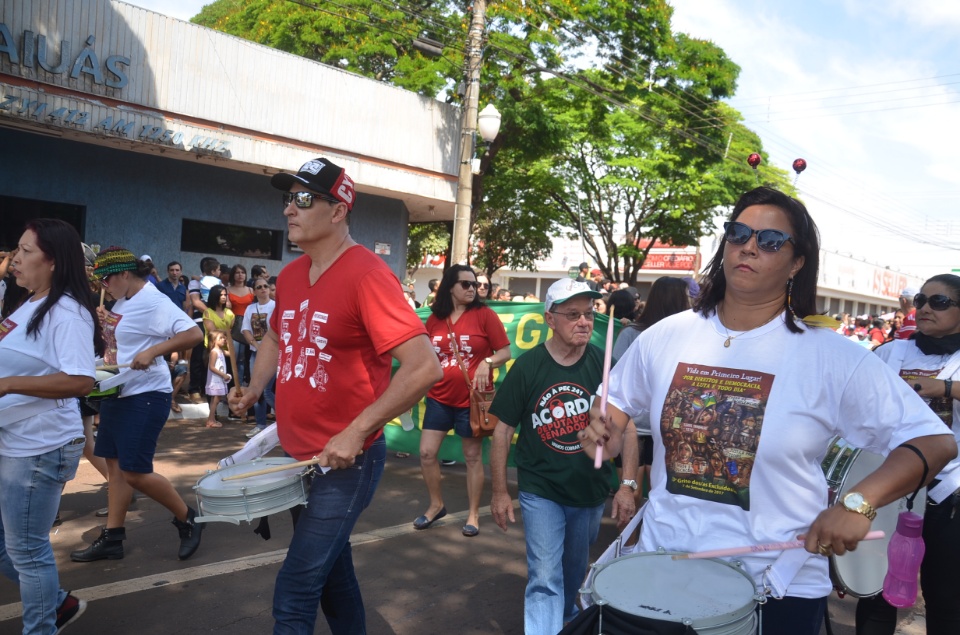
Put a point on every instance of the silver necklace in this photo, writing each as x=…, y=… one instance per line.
x=730, y=338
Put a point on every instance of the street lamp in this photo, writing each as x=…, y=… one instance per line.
x=489, y=123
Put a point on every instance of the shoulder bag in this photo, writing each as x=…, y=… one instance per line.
x=481, y=421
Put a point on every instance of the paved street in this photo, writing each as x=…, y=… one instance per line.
x=414, y=582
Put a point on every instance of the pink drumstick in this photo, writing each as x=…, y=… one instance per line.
x=607, y=357
x=770, y=546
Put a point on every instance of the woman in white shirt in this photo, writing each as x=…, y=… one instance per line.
x=47, y=347
x=148, y=326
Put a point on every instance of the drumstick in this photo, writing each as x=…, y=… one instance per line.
x=233, y=365
x=113, y=366
x=271, y=470
x=770, y=546
x=102, y=291
x=607, y=357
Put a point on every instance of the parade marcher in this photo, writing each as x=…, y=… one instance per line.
x=464, y=331
x=148, y=326
x=47, y=347
x=340, y=319
x=929, y=362
x=773, y=392
x=546, y=398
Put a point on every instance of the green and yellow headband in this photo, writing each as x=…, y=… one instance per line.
x=113, y=260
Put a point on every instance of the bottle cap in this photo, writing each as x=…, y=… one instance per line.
x=909, y=524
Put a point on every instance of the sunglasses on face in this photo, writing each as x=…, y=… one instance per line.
x=261, y=286
x=484, y=285
x=304, y=200
x=937, y=302
x=468, y=284
x=770, y=240
x=574, y=316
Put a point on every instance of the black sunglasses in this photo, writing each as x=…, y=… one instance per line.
x=767, y=239
x=304, y=199
x=468, y=284
x=937, y=302
x=261, y=286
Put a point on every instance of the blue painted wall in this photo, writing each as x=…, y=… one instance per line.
x=138, y=200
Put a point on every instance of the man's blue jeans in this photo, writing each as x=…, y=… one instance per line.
x=29, y=496
x=318, y=568
x=554, y=575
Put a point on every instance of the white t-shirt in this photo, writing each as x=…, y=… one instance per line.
x=147, y=319
x=740, y=432
x=65, y=344
x=909, y=363
x=257, y=319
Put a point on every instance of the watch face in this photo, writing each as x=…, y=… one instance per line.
x=853, y=500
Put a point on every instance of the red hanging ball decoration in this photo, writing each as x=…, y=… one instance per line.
x=799, y=165
x=754, y=160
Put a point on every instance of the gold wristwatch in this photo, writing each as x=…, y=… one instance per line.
x=854, y=502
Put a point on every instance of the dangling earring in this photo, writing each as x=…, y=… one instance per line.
x=790, y=299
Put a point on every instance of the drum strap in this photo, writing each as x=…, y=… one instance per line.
x=778, y=576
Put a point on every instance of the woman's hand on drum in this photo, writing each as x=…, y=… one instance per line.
x=835, y=532
x=501, y=508
x=143, y=360
x=604, y=430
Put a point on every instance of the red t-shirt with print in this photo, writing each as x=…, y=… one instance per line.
x=909, y=326
x=479, y=334
x=335, y=342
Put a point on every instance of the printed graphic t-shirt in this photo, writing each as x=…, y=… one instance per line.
x=740, y=431
x=335, y=339
x=64, y=344
x=479, y=333
x=549, y=404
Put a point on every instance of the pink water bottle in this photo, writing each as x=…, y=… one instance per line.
x=904, y=555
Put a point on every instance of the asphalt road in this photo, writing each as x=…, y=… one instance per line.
x=413, y=582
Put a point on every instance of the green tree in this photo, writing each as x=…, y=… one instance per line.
x=426, y=239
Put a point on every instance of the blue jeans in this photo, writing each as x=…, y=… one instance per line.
x=31, y=489
x=554, y=575
x=268, y=398
x=318, y=568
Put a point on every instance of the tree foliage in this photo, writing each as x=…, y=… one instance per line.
x=611, y=121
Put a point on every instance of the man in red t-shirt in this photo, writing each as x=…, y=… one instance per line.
x=339, y=322
x=909, y=326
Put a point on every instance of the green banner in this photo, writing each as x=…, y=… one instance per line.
x=526, y=328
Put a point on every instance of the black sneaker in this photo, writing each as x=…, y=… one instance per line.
x=69, y=611
x=189, y=534
x=447, y=462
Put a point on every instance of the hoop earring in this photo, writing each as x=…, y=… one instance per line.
x=790, y=299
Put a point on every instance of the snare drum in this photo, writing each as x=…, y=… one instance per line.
x=860, y=573
x=711, y=596
x=253, y=497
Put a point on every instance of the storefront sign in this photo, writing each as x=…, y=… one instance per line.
x=34, y=51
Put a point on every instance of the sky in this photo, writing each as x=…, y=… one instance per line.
x=867, y=92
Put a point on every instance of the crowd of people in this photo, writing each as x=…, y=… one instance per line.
x=722, y=398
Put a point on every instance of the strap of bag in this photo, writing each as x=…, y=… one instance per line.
x=923, y=479
x=456, y=353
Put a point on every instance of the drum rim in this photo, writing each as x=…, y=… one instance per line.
x=732, y=617
x=238, y=489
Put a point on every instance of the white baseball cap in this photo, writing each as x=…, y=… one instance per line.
x=909, y=292
x=566, y=288
x=146, y=257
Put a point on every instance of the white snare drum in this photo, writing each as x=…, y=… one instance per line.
x=97, y=393
x=253, y=497
x=711, y=596
x=860, y=573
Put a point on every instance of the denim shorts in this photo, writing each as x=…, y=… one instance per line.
x=129, y=429
x=443, y=418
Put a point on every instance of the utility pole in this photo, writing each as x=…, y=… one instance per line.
x=462, y=212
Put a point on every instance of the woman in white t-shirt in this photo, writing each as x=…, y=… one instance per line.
x=748, y=351
x=47, y=347
x=929, y=362
x=147, y=327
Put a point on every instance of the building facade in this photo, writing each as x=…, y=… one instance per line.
x=161, y=135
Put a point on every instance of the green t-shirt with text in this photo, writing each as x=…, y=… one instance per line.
x=549, y=404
